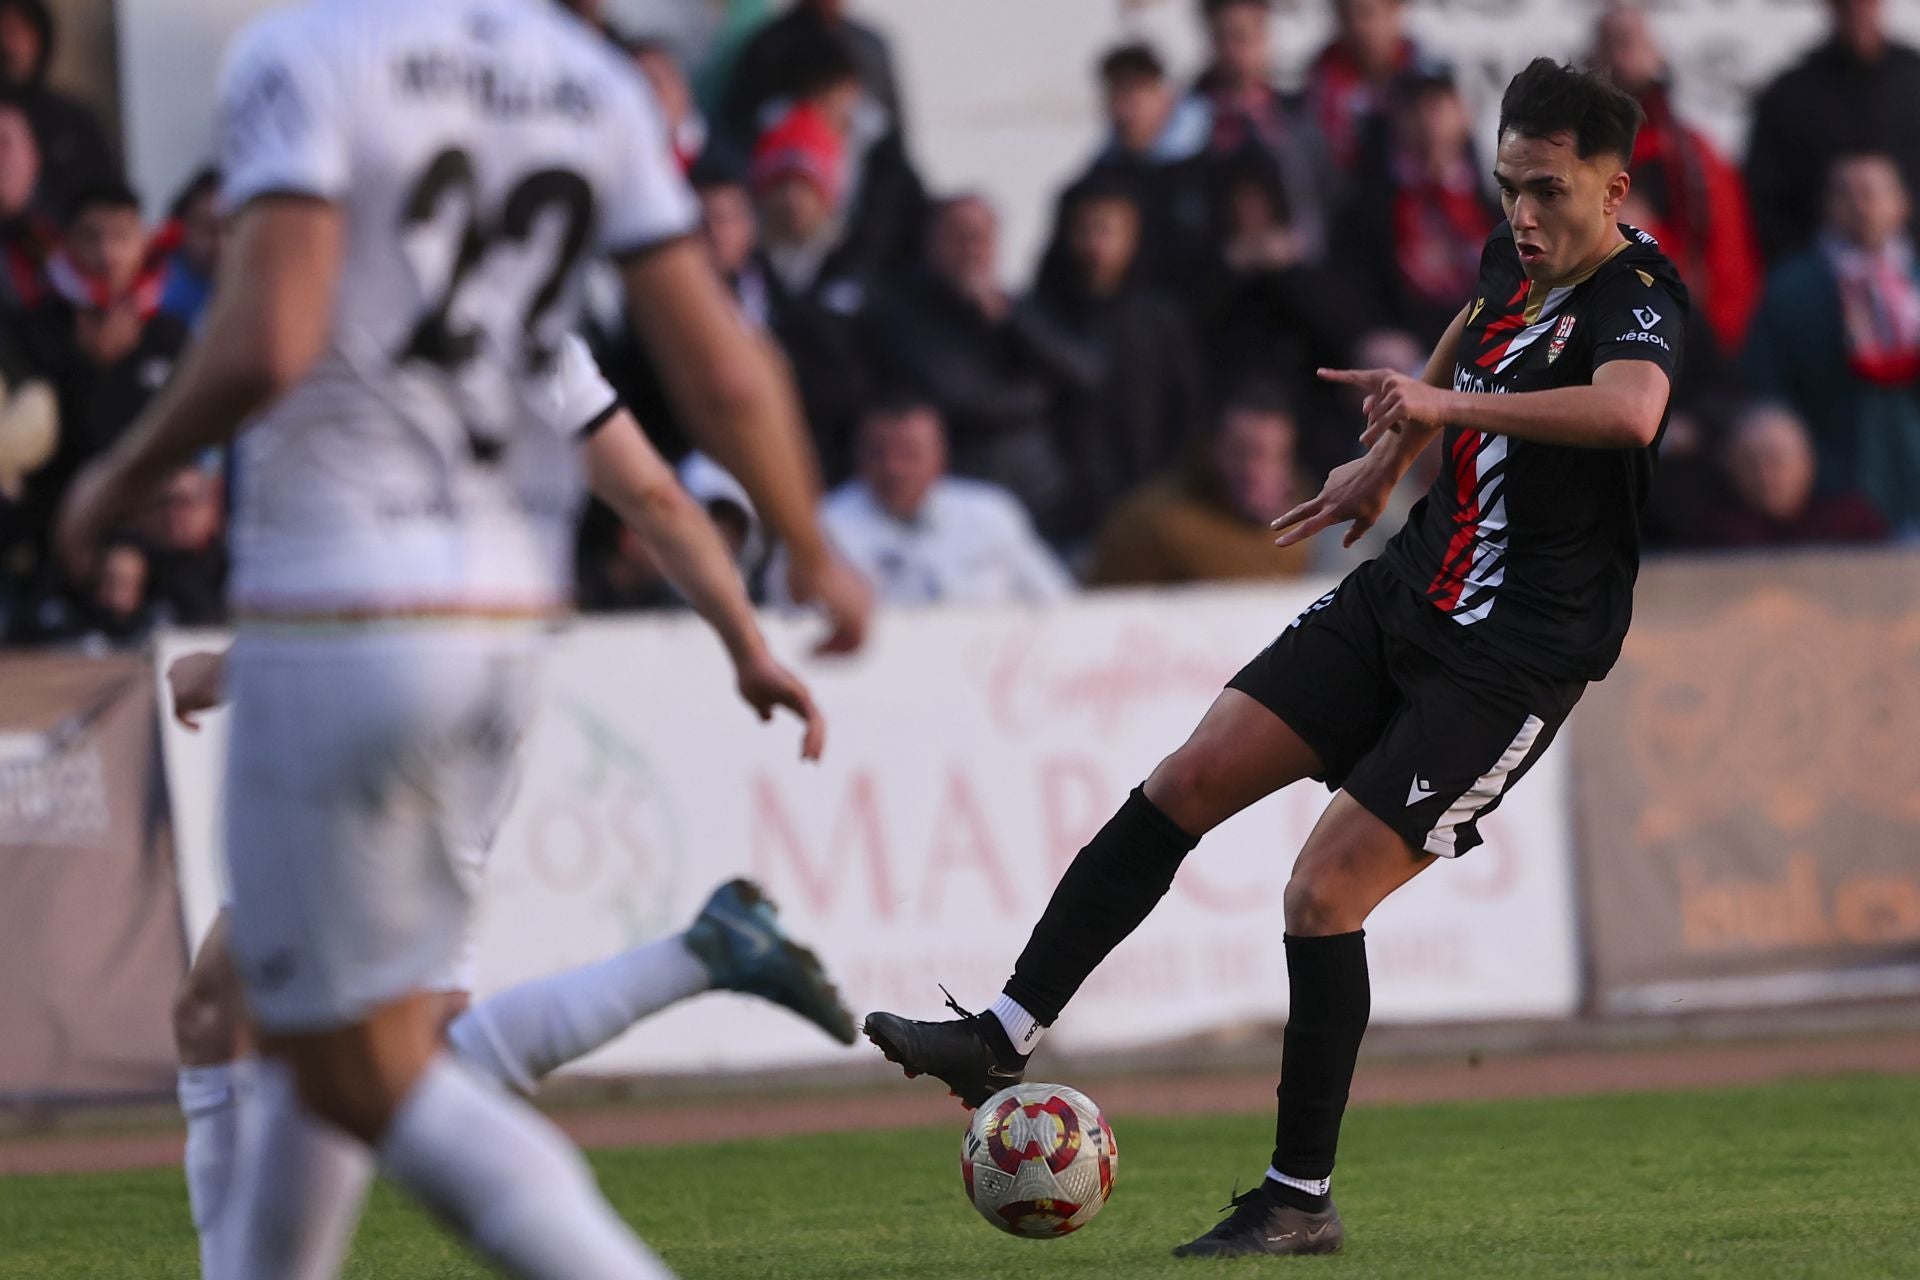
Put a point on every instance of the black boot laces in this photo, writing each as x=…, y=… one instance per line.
x=955, y=1004
x=1249, y=1210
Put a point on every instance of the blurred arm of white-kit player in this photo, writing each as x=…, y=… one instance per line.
x=627, y=473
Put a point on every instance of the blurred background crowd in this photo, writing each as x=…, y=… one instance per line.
x=1144, y=403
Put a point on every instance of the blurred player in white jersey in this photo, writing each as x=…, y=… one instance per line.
x=415, y=188
x=517, y=1036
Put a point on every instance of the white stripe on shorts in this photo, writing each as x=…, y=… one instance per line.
x=1485, y=791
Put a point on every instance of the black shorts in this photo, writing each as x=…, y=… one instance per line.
x=1408, y=714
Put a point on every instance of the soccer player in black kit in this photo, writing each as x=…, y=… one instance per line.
x=1434, y=676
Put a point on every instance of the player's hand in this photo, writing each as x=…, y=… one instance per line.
x=766, y=685
x=1392, y=401
x=839, y=591
x=96, y=502
x=197, y=682
x=1355, y=492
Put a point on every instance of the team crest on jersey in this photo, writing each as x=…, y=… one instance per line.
x=1560, y=335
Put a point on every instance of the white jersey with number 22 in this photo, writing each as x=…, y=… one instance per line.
x=480, y=153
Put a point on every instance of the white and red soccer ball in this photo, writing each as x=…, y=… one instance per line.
x=1038, y=1160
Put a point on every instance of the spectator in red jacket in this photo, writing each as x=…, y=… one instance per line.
x=1685, y=192
x=1349, y=82
x=1770, y=467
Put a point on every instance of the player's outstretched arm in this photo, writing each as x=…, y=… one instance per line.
x=741, y=407
x=1356, y=492
x=629, y=475
x=267, y=324
x=1620, y=409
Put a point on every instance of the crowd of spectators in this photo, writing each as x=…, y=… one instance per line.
x=1142, y=403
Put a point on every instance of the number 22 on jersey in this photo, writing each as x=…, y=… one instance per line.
x=445, y=335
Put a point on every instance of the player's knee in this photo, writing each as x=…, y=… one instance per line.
x=206, y=1023
x=1186, y=787
x=1315, y=905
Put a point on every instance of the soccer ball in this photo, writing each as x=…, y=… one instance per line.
x=1039, y=1160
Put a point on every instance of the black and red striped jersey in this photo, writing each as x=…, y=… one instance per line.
x=1533, y=548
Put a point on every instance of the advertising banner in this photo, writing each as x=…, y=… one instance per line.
x=90, y=939
x=1749, y=785
x=970, y=754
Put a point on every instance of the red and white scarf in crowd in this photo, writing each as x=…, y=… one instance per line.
x=1343, y=97
x=1440, y=223
x=1880, y=308
x=89, y=293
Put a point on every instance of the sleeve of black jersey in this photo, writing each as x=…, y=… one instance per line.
x=1638, y=316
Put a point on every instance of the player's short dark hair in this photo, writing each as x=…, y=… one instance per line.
x=1548, y=98
x=112, y=193
x=1131, y=62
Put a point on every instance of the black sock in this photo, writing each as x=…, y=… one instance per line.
x=1331, y=1000
x=1113, y=883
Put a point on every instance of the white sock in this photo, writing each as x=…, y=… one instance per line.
x=301, y=1184
x=1021, y=1028
x=503, y=1177
x=209, y=1098
x=523, y=1033
x=1312, y=1186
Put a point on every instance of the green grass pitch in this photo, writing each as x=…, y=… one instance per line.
x=1806, y=1178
